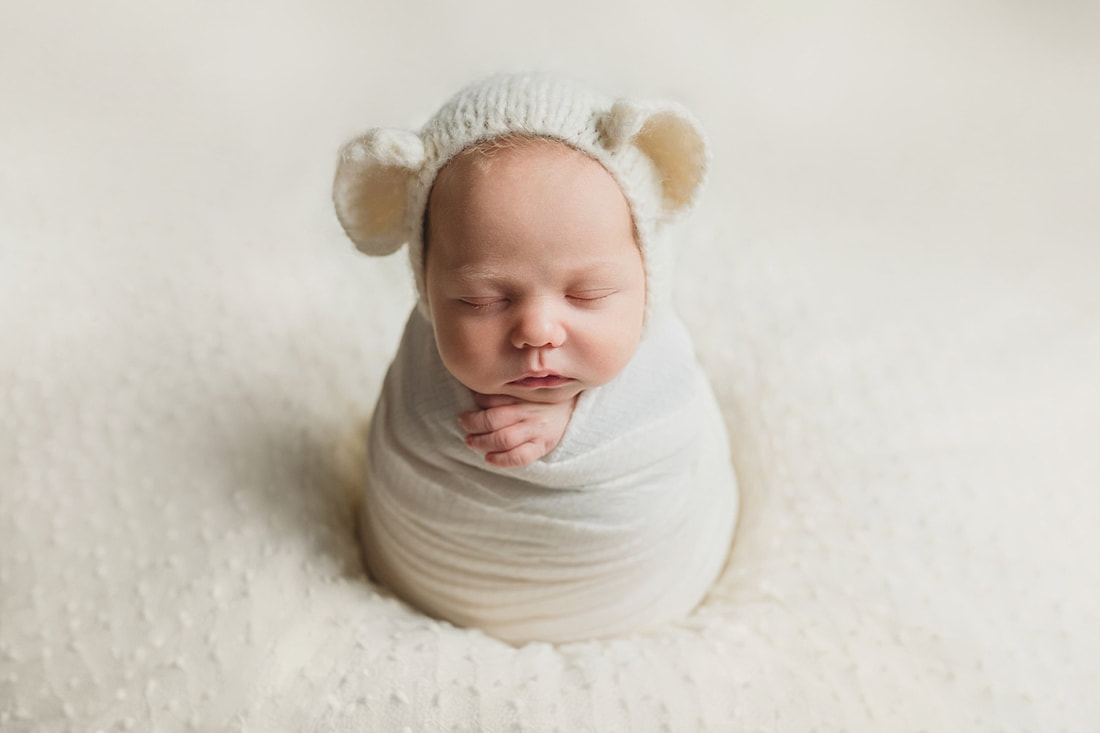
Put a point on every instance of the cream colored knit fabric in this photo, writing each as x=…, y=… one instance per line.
x=655, y=151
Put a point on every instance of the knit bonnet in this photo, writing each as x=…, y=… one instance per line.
x=654, y=151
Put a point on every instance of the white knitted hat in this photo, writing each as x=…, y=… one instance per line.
x=656, y=153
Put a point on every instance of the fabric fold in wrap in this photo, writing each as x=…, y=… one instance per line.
x=623, y=526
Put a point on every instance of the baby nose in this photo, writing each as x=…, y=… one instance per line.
x=538, y=326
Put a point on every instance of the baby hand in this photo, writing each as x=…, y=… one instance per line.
x=513, y=433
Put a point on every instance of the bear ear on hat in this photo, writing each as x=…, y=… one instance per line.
x=371, y=191
x=669, y=137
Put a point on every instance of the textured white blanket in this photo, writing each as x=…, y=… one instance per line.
x=891, y=285
x=623, y=526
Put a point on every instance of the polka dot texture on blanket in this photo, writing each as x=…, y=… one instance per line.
x=900, y=325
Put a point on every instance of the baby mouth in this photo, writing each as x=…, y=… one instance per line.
x=540, y=381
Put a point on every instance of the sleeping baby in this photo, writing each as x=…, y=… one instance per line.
x=546, y=460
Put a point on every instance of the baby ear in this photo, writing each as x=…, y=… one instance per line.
x=669, y=137
x=371, y=191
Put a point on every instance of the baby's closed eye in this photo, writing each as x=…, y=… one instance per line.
x=483, y=303
x=592, y=296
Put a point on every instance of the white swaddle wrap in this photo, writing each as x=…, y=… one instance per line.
x=623, y=526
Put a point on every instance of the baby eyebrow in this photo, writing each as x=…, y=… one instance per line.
x=475, y=273
x=481, y=274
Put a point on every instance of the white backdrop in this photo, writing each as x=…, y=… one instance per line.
x=891, y=280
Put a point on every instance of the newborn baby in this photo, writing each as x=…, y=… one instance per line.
x=546, y=460
x=535, y=285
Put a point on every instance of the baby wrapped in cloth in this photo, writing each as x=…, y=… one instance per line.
x=628, y=520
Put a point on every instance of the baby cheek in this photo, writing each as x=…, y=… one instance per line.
x=464, y=349
x=611, y=354
x=623, y=340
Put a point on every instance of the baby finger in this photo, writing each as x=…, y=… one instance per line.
x=486, y=421
x=501, y=440
x=521, y=455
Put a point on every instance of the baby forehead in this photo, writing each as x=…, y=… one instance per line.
x=533, y=179
x=535, y=195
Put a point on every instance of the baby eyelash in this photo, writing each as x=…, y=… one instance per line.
x=481, y=306
x=589, y=298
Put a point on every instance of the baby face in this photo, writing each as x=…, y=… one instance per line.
x=534, y=280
